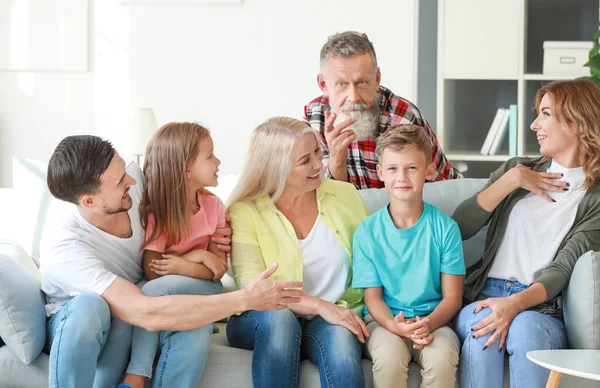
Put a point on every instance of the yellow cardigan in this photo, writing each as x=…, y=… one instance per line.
x=263, y=235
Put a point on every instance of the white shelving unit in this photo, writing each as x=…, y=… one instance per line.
x=490, y=56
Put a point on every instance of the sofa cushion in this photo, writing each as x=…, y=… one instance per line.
x=15, y=374
x=34, y=202
x=9, y=212
x=22, y=315
x=581, y=303
x=16, y=253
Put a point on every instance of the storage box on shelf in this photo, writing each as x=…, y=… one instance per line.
x=491, y=56
x=566, y=58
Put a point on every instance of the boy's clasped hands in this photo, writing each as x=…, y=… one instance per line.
x=415, y=329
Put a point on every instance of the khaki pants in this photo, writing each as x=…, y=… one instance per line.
x=391, y=355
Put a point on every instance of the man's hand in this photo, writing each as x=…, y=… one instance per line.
x=169, y=265
x=341, y=316
x=337, y=139
x=263, y=293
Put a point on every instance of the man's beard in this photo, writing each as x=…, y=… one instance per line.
x=110, y=212
x=366, y=119
x=107, y=211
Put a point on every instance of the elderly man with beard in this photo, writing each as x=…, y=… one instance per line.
x=355, y=110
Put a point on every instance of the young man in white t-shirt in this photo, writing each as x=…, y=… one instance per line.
x=91, y=261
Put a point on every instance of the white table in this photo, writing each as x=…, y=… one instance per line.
x=575, y=362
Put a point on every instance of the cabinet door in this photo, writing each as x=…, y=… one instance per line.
x=481, y=39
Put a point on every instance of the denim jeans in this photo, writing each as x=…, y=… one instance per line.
x=88, y=347
x=183, y=354
x=529, y=330
x=279, y=339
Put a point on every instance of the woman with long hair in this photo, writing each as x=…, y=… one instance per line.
x=543, y=214
x=179, y=217
x=284, y=210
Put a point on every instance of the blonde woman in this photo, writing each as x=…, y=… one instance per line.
x=543, y=214
x=284, y=210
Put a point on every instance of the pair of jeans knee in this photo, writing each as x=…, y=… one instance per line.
x=281, y=329
x=529, y=330
x=176, y=284
x=275, y=320
x=527, y=325
x=85, y=319
x=279, y=324
x=89, y=312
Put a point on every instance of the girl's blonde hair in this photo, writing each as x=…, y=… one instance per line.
x=169, y=154
x=577, y=102
x=269, y=160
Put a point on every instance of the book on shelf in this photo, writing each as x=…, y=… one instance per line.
x=512, y=130
x=492, y=132
x=500, y=133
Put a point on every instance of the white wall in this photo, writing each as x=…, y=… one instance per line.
x=232, y=67
x=38, y=109
x=229, y=67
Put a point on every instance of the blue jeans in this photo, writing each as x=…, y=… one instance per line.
x=183, y=353
x=529, y=330
x=278, y=338
x=88, y=347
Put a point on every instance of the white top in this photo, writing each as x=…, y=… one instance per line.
x=575, y=362
x=77, y=257
x=326, y=265
x=535, y=229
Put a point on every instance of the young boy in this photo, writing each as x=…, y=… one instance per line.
x=408, y=257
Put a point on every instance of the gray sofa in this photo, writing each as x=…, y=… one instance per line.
x=230, y=367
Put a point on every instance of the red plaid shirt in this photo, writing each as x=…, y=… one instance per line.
x=362, y=161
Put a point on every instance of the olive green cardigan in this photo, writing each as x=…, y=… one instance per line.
x=583, y=236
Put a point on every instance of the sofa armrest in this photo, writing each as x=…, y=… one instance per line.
x=8, y=206
x=581, y=303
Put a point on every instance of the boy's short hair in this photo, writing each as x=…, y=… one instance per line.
x=403, y=136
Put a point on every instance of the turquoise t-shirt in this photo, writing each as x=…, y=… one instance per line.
x=407, y=263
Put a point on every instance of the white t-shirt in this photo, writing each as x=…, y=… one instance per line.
x=535, y=229
x=326, y=272
x=77, y=257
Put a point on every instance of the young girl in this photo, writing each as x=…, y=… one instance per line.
x=179, y=217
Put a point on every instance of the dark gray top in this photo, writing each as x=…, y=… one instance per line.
x=583, y=236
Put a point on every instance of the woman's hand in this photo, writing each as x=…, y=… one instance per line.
x=341, y=316
x=221, y=239
x=504, y=310
x=538, y=182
